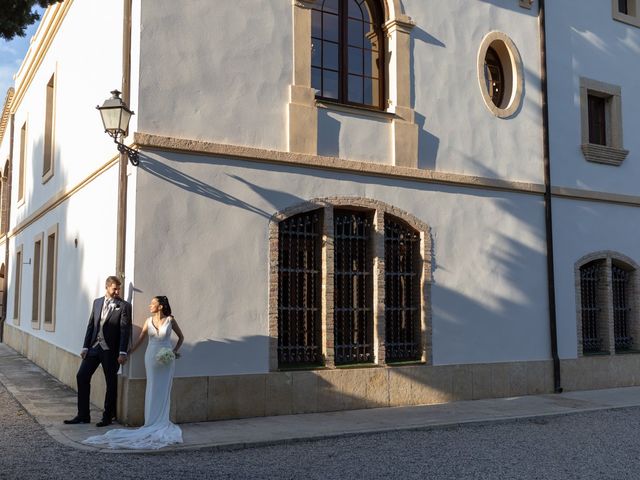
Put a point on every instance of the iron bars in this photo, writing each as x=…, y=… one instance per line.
x=622, y=335
x=592, y=341
x=299, y=286
x=402, y=291
x=353, y=292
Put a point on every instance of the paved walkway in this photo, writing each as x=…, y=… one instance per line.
x=50, y=402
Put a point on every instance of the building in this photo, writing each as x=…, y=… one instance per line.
x=345, y=201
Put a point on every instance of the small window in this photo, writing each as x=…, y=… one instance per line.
x=23, y=162
x=353, y=287
x=601, y=119
x=347, y=52
x=17, y=286
x=51, y=284
x=47, y=163
x=626, y=11
x=500, y=74
x=37, y=281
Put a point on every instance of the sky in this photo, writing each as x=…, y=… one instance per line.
x=11, y=55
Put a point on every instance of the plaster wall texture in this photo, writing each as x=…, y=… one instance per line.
x=354, y=136
x=587, y=42
x=581, y=228
x=457, y=131
x=216, y=72
x=84, y=78
x=81, y=269
x=203, y=240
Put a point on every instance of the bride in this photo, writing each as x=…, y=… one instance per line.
x=158, y=431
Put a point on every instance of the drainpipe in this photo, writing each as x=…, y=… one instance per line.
x=122, y=164
x=553, y=330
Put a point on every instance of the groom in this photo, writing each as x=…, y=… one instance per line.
x=105, y=343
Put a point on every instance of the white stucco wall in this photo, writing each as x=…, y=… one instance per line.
x=581, y=228
x=457, y=131
x=587, y=42
x=202, y=239
x=85, y=55
x=217, y=71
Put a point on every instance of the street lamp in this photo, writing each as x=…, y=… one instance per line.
x=115, y=116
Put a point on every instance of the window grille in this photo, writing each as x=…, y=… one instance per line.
x=589, y=280
x=621, y=311
x=402, y=291
x=353, y=292
x=299, y=285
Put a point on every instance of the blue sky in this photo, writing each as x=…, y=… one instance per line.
x=11, y=55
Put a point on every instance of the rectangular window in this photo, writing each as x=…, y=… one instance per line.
x=353, y=291
x=402, y=291
x=23, y=161
x=37, y=280
x=299, y=289
x=47, y=163
x=50, y=286
x=17, y=286
x=597, y=120
x=626, y=11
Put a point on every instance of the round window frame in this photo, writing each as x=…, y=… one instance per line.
x=513, y=72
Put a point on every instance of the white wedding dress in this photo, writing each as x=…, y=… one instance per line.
x=158, y=431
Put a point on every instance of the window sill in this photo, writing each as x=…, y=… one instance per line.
x=355, y=110
x=628, y=19
x=604, y=154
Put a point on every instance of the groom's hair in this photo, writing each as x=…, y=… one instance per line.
x=111, y=280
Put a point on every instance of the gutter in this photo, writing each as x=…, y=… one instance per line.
x=553, y=329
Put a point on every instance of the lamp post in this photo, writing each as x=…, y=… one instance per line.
x=115, y=117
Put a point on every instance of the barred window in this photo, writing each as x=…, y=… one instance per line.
x=350, y=282
x=299, y=285
x=591, y=294
x=620, y=279
x=353, y=293
x=402, y=291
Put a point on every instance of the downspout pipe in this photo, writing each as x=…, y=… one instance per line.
x=548, y=218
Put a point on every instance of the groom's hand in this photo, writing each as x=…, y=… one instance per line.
x=122, y=359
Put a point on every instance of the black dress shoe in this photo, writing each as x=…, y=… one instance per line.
x=104, y=422
x=75, y=420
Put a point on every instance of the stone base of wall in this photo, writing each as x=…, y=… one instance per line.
x=58, y=362
x=197, y=399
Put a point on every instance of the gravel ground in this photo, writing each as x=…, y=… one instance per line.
x=600, y=445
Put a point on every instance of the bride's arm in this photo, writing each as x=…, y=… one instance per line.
x=176, y=328
x=143, y=333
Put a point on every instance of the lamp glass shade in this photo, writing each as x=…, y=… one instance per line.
x=115, y=115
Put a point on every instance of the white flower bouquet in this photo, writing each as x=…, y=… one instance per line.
x=165, y=356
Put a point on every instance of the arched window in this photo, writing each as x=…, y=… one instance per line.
x=347, y=60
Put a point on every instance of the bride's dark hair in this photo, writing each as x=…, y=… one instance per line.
x=164, y=302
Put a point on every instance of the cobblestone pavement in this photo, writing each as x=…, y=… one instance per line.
x=596, y=445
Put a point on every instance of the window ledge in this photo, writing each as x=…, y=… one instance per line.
x=604, y=154
x=355, y=110
x=628, y=19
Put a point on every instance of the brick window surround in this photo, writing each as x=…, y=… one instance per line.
x=379, y=211
x=603, y=304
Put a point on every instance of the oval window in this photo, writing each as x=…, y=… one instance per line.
x=500, y=74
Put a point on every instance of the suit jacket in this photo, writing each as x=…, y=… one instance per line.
x=116, y=328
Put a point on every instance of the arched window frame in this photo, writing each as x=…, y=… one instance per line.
x=608, y=260
x=378, y=212
x=302, y=112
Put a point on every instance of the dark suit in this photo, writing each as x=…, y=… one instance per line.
x=116, y=330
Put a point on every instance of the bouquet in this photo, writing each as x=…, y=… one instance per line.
x=165, y=356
